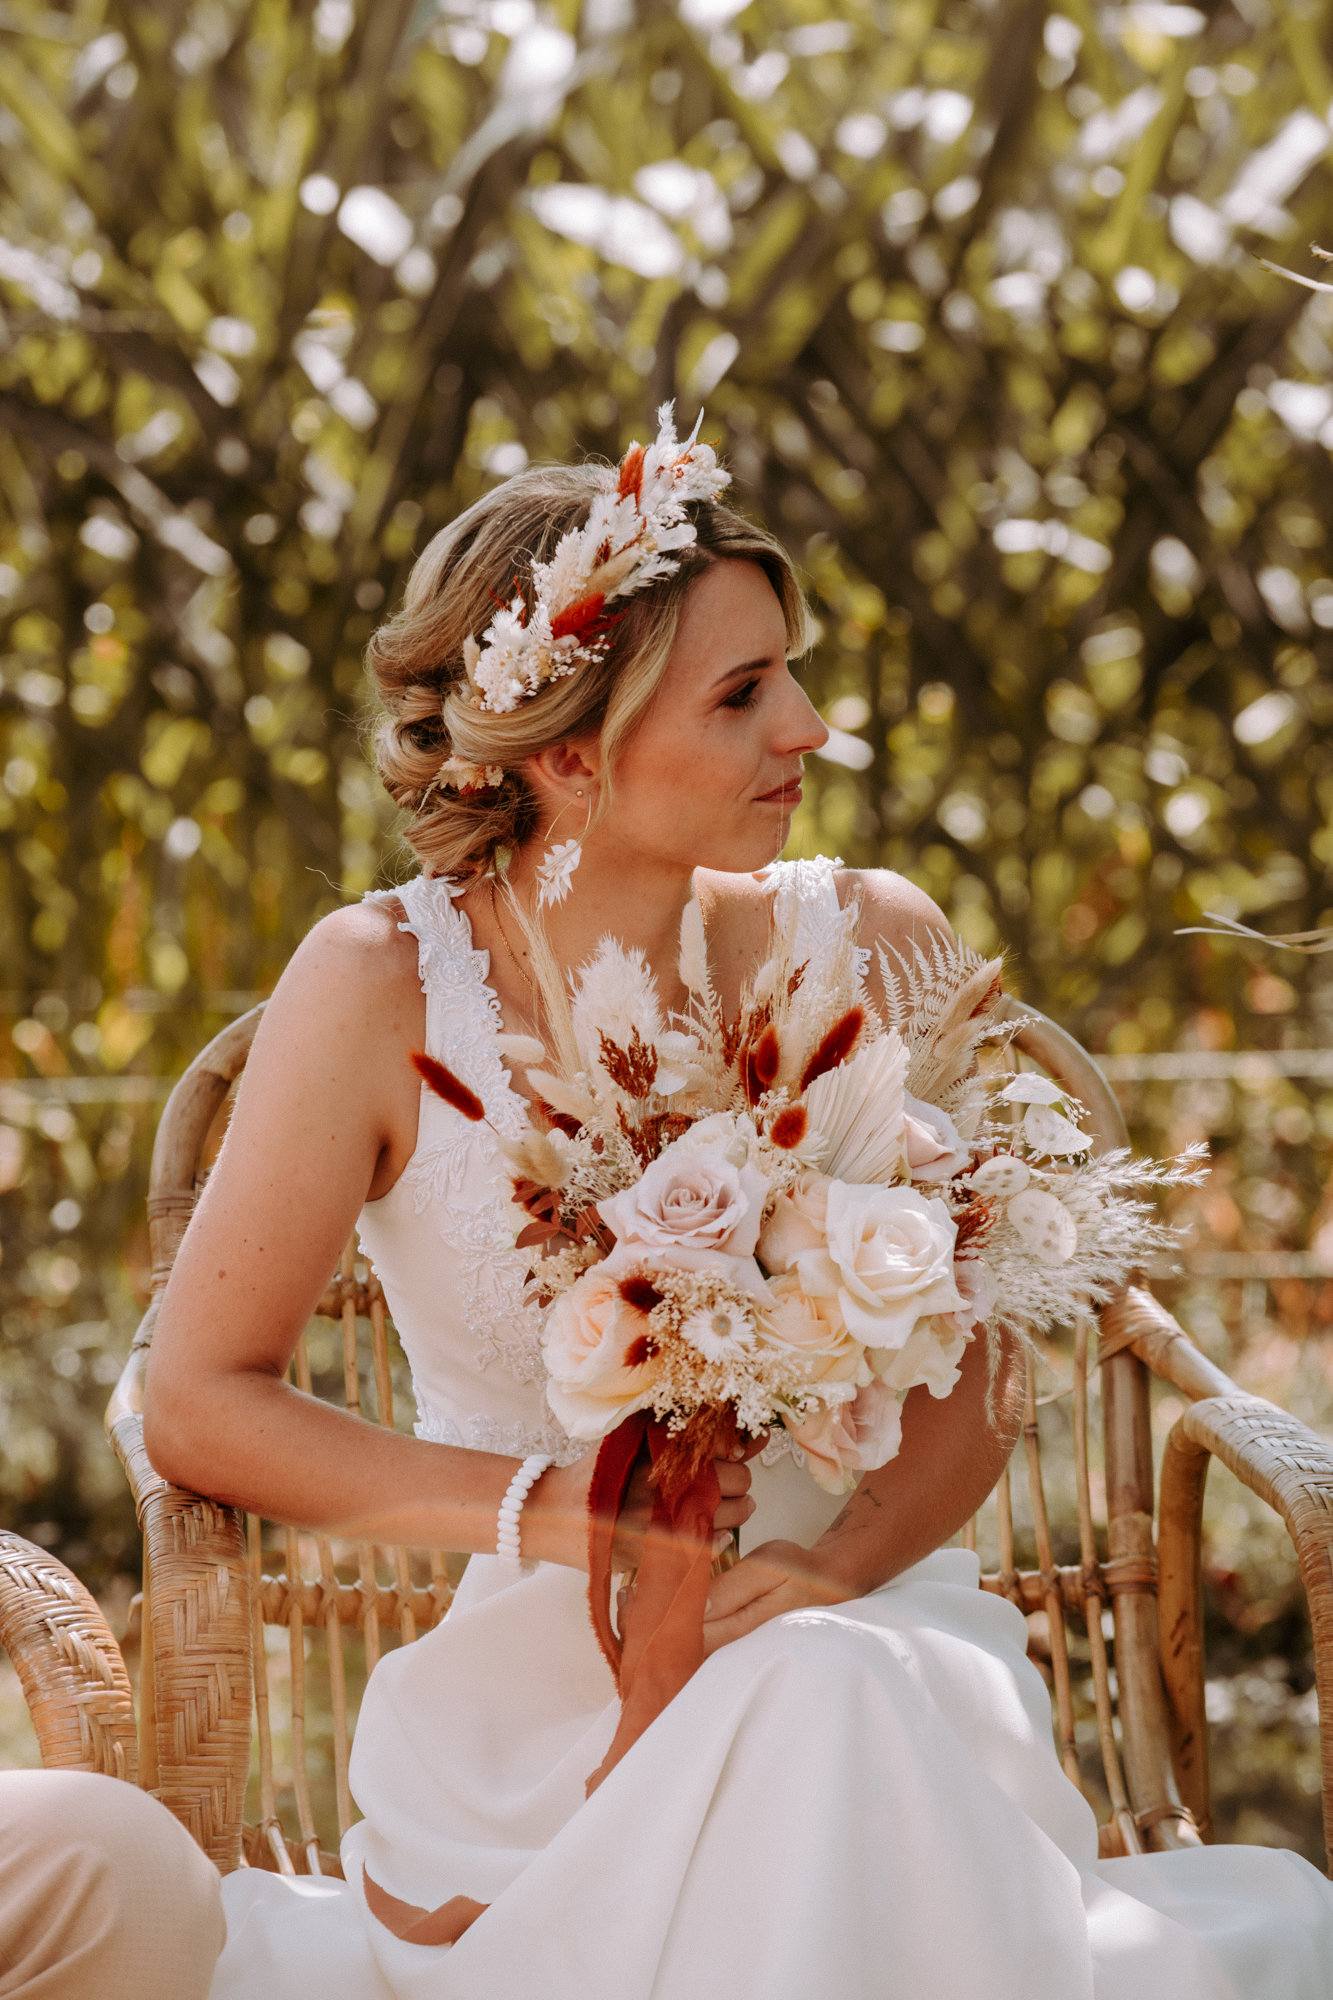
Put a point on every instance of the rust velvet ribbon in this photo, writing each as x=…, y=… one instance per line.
x=663, y=1641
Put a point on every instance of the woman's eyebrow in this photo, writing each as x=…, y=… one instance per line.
x=745, y=667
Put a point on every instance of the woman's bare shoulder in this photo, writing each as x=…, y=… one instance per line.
x=354, y=974
x=892, y=903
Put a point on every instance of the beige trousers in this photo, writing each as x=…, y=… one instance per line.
x=102, y=1892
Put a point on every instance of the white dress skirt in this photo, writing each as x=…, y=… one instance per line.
x=857, y=1802
x=861, y=1801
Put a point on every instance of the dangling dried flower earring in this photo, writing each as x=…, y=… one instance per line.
x=557, y=865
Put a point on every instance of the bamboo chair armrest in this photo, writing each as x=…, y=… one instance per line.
x=196, y=1685
x=70, y=1668
x=1290, y=1467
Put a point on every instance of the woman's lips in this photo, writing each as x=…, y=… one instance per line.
x=784, y=795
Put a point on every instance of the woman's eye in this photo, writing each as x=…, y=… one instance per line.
x=743, y=696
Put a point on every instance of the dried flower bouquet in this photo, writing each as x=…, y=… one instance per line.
x=789, y=1214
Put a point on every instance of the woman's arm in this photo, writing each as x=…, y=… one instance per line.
x=300, y=1152
x=950, y=1460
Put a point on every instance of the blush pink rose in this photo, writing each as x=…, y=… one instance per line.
x=690, y=1206
x=814, y=1329
x=851, y=1438
x=932, y=1144
x=593, y=1343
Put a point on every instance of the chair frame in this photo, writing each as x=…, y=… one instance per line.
x=204, y=1603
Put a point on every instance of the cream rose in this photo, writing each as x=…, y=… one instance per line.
x=888, y=1260
x=594, y=1344
x=799, y=1221
x=692, y=1204
x=851, y=1438
x=816, y=1330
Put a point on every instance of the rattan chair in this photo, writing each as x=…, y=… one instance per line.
x=245, y=1732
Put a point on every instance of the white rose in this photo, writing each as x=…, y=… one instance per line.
x=692, y=1199
x=929, y=1355
x=888, y=1260
x=816, y=1330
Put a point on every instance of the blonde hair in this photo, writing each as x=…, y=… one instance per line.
x=419, y=713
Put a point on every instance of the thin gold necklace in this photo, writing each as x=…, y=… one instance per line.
x=533, y=1009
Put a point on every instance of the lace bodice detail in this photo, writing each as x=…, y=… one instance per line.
x=442, y=1239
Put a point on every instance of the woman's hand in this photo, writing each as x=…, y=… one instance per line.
x=771, y=1579
x=735, y=1507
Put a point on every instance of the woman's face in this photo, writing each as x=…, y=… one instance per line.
x=709, y=778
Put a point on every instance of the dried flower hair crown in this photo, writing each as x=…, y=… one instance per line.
x=625, y=543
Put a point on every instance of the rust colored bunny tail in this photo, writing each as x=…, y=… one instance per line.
x=836, y=1046
x=448, y=1086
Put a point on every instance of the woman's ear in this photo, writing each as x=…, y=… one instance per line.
x=564, y=766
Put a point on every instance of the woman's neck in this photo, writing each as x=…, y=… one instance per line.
x=638, y=902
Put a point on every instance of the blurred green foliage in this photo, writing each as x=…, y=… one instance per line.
x=970, y=293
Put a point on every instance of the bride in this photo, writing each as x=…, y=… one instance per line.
x=857, y=1795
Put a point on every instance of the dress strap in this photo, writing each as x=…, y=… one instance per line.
x=806, y=898
x=462, y=1009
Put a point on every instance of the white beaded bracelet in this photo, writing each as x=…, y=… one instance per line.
x=522, y=1483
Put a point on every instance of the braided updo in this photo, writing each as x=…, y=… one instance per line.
x=420, y=714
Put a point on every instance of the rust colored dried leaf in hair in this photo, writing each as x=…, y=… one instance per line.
x=586, y=621
x=836, y=1046
x=445, y=1084
x=790, y=1126
x=631, y=473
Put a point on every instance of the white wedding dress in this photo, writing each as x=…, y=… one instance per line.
x=862, y=1802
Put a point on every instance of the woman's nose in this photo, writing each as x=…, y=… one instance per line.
x=804, y=729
